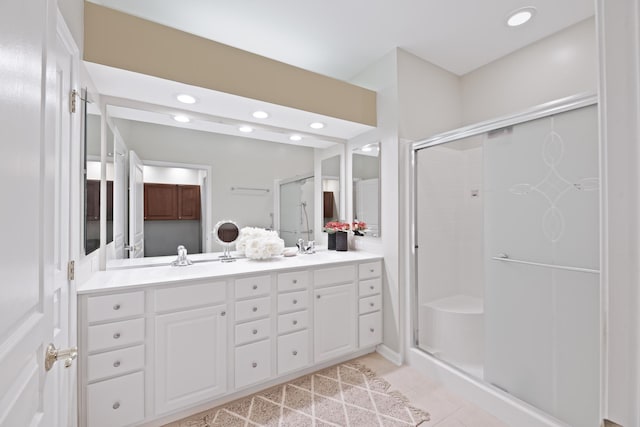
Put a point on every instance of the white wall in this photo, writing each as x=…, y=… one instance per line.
x=560, y=65
x=73, y=13
x=234, y=161
x=169, y=175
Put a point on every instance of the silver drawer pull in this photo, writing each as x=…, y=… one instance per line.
x=295, y=301
x=371, y=304
x=295, y=322
x=372, y=330
x=116, y=335
x=116, y=405
x=254, y=309
x=371, y=287
x=294, y=352
x=224, y=313
x=116, y=307
x=255, y=331
x=371, y=270
x=254, y=365
x=318, y=296
x=116, y=364
x=295, y=281
x=255, y=287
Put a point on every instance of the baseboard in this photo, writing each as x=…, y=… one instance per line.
x=392, y=356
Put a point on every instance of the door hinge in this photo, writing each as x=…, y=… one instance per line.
x=71, y=270
x=72, y=101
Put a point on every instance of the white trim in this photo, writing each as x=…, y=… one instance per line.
x=392, y=356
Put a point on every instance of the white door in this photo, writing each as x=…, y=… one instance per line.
x=334, y=321
x=136, y=206
x=33, y=310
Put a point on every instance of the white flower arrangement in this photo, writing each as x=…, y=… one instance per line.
x=258, y=243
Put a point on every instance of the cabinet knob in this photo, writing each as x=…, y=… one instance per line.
x=371, y=287
x=224, y=313
x=371, y=304
x=116, y=405
x=295, y=301
x=254, y=309
x=295, y=322
x=318, y=296
x=371, y=329
x=254, y=332
x=371, y=270
x=294, y=352
x=295, y=281
x=116, y=364
x=116, y=335
x=255, y=287
x=254, y=365
x=116, y=307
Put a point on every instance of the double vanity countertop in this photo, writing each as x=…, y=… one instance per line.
x=130, y=274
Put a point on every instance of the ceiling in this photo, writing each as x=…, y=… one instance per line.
x=341, y=38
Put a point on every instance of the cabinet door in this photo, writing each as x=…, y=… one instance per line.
x=188, y=202
x=334, y=321
x=190, y=356
x=160, y=201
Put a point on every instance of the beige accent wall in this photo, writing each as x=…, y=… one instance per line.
x=123, y=41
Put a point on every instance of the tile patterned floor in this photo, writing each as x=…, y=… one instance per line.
x=445, y=408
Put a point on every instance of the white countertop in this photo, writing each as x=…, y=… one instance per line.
x=130, y=278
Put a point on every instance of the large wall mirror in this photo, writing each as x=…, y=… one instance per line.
x=191, y=178
x=366, y=188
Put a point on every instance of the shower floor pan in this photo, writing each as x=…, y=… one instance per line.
x=452, y=329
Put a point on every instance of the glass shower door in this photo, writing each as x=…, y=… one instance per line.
x=507, y=263
x=296, y=211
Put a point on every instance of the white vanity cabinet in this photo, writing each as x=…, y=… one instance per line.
x=153, y=351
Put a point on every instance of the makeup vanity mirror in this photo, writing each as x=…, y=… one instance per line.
x=331, y=188
x=366, y=187
x=226, y=233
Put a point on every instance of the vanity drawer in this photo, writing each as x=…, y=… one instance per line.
x=252, y=331
x=369, y=270
x=369, y=304
x=116, y=334
x=116, y=402
x=293, y=301
x=110, y=307
x=253, y=363
x=253, y=286
x=292, y=281
x=253, y=308
x=181, y=297
x=332, y=276
x=293, y=351
x=293, y=321
x=369, y=287
x=370, y=329
x=115, y=362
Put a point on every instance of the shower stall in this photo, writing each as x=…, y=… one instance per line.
x=506, y=277
x=296, y=209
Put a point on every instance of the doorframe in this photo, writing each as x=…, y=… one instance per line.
x=207, y=226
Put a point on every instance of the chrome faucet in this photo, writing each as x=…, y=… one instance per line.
x=306, y=246
x=182, y=259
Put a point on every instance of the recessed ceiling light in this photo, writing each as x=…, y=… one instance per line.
x=181, y=118
x=520, y=16
x=366, y=148
x=186, y=99
x=316, y=125
x=245, y=129
x=260, y=114
x=295, y=138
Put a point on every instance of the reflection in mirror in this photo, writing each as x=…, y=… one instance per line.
x=330, y=189
x=366, y=188
x=194, y=177
x=91, y=116
x=296, y=209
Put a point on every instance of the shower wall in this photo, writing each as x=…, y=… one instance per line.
x=450, y=202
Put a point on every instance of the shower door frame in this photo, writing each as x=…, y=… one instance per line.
x=540, y=111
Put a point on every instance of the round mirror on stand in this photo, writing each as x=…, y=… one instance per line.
x=226, y=232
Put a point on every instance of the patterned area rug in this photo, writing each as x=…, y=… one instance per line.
x=348, y=394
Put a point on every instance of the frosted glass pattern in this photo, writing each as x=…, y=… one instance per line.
x=529, y=192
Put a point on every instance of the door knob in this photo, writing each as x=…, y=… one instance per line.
x=52, y=355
